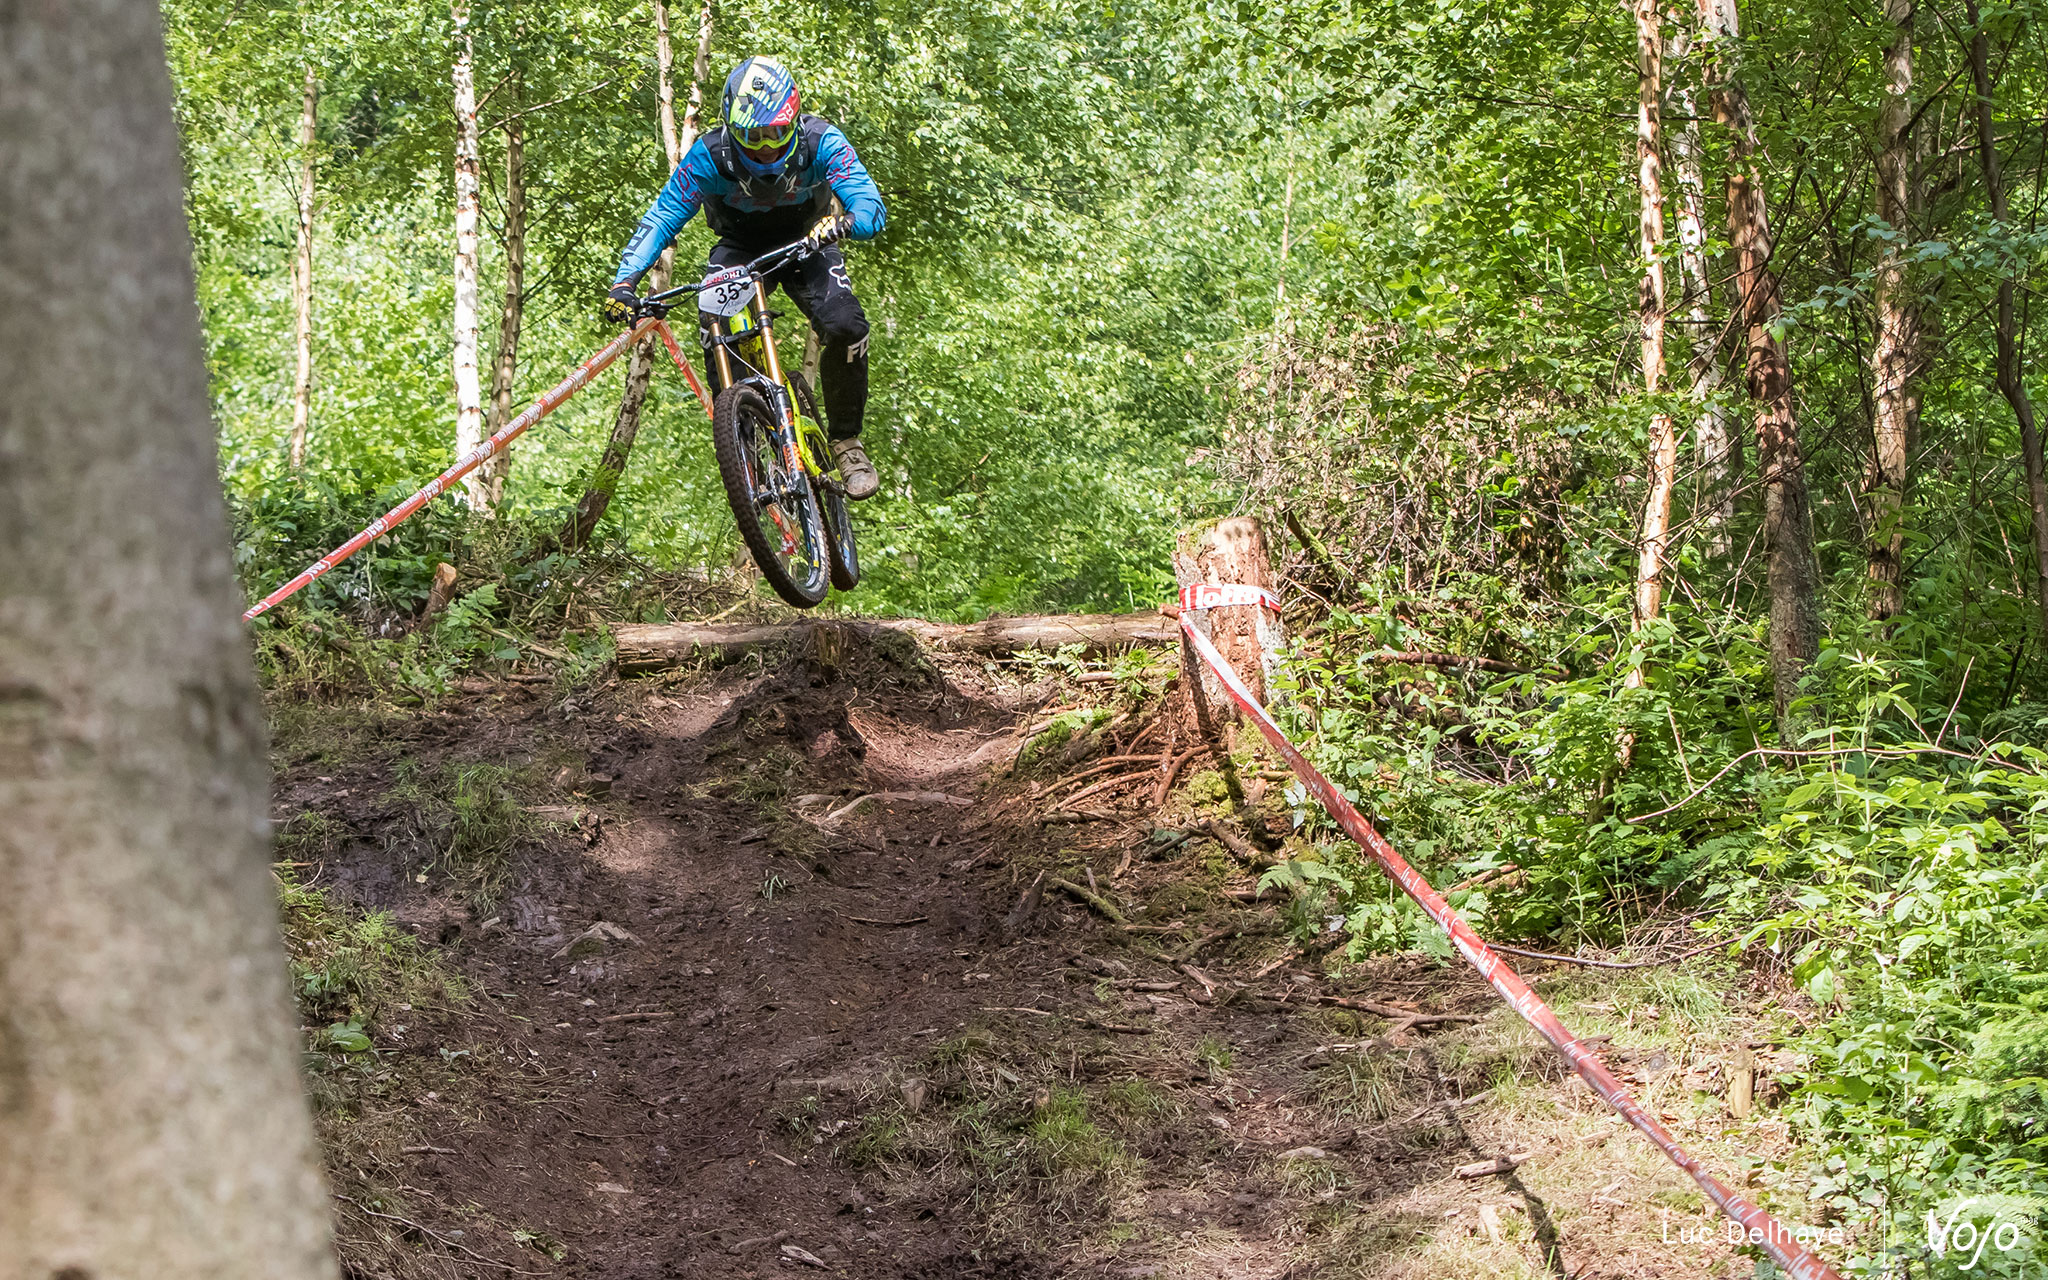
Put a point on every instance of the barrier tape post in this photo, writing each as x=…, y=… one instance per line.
x=1759, y=1227
x=541, y=408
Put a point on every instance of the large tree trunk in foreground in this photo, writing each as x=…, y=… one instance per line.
x=618, y=449
x=505, y=369
x=302, y=278
x=1662, y=468
x=2009, y=381
x=653, y=646
x=1896, y=352
x=1715, y=443
x=151, y=1123
x=1793, y=566
x=469, y=418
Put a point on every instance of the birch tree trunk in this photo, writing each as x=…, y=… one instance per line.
x=1663, y=440
x=1895, y=356
x=468, y=405
x=302, y=279
x=611, y=466
x=151, y=1120
x=505, y=369
x=1715, y=443
x=2009, y=383
x=1793, y=568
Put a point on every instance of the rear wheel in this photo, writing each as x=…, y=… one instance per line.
x=832, y=497
x=778, y=515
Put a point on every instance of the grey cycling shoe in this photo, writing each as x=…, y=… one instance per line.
x=854, y=467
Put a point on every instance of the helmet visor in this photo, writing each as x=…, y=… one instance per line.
x=764, y=143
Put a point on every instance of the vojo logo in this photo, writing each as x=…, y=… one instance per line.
x=1961, y=1238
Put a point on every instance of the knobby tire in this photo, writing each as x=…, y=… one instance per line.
x=741, y=420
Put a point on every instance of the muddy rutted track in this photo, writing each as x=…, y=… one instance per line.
x=712, y=1034
x=659, y=1062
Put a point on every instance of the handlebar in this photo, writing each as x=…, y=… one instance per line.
x=758, y=267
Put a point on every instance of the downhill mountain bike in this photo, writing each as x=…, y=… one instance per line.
x=781, y=479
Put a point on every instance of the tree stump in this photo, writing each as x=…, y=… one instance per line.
x=1247, y=636
x=1229, y=553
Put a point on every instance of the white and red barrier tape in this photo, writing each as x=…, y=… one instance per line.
x=1759, y=1227
x=475, y=458
x=1208, y=595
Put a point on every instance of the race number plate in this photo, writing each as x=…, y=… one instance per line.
x=727, y=293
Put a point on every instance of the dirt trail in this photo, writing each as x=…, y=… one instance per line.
x=826, y=1048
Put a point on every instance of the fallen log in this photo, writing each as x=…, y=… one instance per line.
x=652, y=646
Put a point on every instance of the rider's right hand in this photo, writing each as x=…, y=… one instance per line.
x=621, y=304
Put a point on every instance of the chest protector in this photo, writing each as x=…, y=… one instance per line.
x=766, y=212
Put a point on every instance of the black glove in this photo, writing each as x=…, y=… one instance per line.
x=829, y=229
x=621, y=304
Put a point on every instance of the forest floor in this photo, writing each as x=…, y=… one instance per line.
x=668, y=1017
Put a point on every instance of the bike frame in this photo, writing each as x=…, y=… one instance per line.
x=748, y=341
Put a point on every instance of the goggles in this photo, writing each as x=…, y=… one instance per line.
x=765, y=142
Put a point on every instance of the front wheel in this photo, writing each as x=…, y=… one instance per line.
x=776, y=508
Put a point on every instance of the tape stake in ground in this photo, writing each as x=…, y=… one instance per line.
x=1758, y=1226
x=468, y=462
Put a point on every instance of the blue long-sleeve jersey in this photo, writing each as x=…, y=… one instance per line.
x=753, y=212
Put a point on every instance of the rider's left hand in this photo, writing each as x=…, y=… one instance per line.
x=621, y=304
x=836, y=227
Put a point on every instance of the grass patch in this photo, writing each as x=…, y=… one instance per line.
x=1034, y=1155
x=1361, y=1084
x=470, y=818
x=354, y=966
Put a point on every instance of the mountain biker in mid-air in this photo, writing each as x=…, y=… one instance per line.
x=766, y=177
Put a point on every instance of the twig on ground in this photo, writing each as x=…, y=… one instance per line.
x=885, y=924
x=1103, y=785
x=1606, y=964
x=1271, y=965
x=1499, y=1164
x=639, y=1017
x=1104, y=765
x=1095, y=900
x=1165, y=786
x=906, y=797
x=1200, y=944
x=1239, y=847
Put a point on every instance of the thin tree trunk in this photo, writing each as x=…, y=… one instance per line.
x=611, y=466
x=2009, y=384
x=151, y=1117
x=1714, y=440
x=468, y=403
x=1663, y=441
x=1793, y=568
x=506, y=368
x=1896, y=350
x=302, y=280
